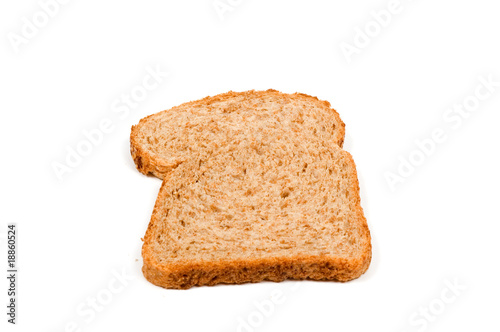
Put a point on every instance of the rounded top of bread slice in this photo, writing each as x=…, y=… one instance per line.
x=162, y=141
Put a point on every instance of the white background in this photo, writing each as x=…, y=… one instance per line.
x=440, y=225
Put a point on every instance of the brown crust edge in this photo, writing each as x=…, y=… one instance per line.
x=303, y=267
x=146, y=163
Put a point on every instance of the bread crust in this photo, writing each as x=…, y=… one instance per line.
x=147, y=163
x=256, y=270
x=237, y=271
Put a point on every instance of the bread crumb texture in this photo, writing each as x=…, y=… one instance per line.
x=255, y=188
x=162, y=141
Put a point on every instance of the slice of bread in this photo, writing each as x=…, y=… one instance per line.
x=259, y=208
x=162, y=141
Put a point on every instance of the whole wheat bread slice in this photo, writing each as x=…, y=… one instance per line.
x=162, y=141
x=258, y=209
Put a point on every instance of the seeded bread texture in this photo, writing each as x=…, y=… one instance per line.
x=257, y=209
x=162, y=141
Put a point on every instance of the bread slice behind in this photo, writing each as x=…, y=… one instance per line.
x=162, y=141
